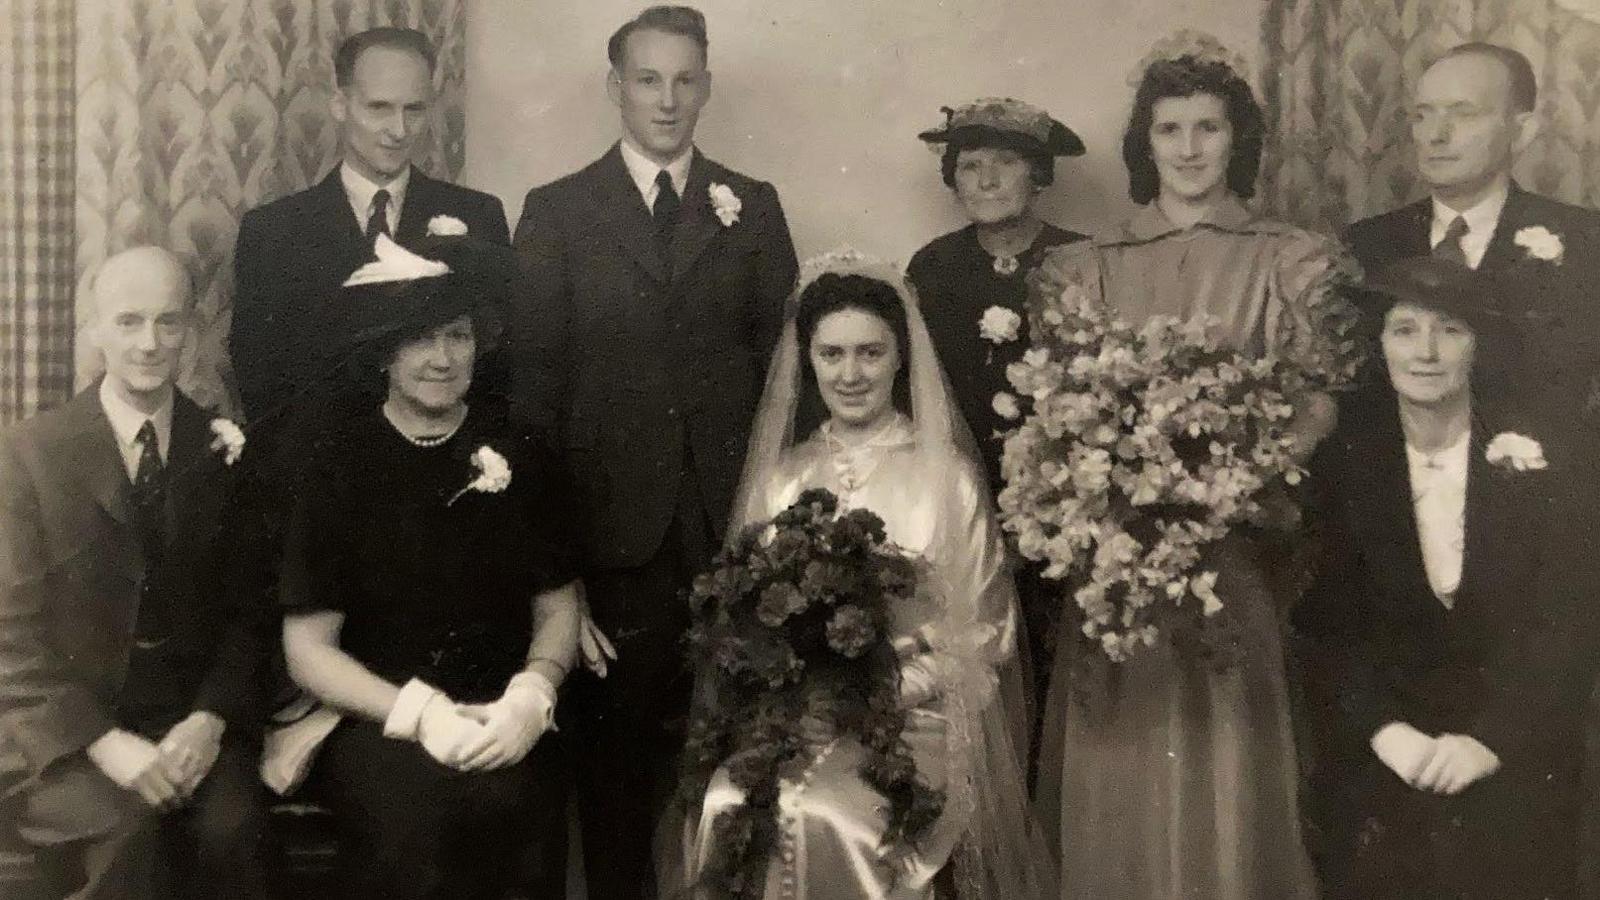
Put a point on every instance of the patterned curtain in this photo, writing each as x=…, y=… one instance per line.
x=36, y=46
x=1339, y=72
x=192, y=111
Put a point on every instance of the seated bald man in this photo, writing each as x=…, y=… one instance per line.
x=128, y=677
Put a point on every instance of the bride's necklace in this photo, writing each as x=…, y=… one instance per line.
x=425, y=441
x=845, y=456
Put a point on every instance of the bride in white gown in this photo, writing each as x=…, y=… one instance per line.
x=891, y=443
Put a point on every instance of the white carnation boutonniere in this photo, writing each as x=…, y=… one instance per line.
x=494, y=473
x=1006, y=406
x=1541, y=243
x=999, y=325
x=228, y=439
x=1516, y=453
x=725, y=203
x=446, y=226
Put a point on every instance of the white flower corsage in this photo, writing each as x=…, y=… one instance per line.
x=1006, y=406
x=999, y=325
x=1515, y=452
x=1541, y=243
x=725, y=203
x=494, y=473
x=446, y=226
x=227, y=439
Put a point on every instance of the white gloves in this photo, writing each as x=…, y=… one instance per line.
x=514, y=722
x=424, y=714
x=135, y=763
x=1447, y=764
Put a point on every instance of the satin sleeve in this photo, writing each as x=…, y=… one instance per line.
x=1311, y=317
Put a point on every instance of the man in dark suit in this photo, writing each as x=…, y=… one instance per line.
x=1473, y=112
x=294, y=252
x=655, y=284
x=129, y=677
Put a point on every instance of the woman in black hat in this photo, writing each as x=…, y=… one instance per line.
x=996, y=155
x=1441, y=674
x=430, y=593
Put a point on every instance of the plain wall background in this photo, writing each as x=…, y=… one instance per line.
x=824, y=98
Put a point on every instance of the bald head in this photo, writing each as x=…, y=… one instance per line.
x=139, y=321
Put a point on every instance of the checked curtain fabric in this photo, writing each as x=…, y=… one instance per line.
x=36, y=133
x=1337, y=74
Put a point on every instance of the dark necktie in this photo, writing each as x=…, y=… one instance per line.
x=1450, y=247
x=665, y=210
x=149, y=490
x=379, y=220
x=153, y=623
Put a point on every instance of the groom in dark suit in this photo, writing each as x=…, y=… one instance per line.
x=129, y=676
x=656, y=280
x=294, y=252
x=1472, y=113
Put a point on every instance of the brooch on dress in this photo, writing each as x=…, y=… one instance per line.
x=1005, y=264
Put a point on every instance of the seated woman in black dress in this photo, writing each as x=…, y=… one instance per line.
x=430, y=596
x=1442, y=636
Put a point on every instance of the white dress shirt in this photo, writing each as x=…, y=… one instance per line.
x=360, y=190
x=126, y=422
x=644, y=170
x=1481, y=221
x=1439, y=495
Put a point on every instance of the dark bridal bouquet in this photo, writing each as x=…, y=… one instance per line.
x=792, y=641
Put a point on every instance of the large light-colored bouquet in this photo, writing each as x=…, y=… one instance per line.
x=1136, y=449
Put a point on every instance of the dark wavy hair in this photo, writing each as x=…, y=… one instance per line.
x=1186, y=77
x=685, y=21
x=832, y=293
x=1041, y=163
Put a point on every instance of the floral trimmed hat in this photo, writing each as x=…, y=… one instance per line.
x=982, y=121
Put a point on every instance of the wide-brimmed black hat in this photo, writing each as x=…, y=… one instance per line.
x=427, y=282
x=1443, y=285
x=1013, y=122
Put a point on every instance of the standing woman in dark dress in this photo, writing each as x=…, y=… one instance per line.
x=998, y=155
x=430, y=596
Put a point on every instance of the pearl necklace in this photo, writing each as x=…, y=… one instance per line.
x=430, y=441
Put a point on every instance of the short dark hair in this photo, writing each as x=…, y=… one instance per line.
x=1187, y=76
x=1041, y=163
x=832, y=293
x=682, y=20
x=1519, y=72
x=350, y=50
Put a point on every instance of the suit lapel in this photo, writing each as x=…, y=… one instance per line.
x=1385, y=509
x=1417, y=238
x=1503, y=535
x=1501, y=254
x=92, y=453
x=697, y=224
x=333, y=207
x=422, y=204
x=629, y=220
x=191, y=463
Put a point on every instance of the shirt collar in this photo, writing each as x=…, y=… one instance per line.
x=1481, y=217
x=1150, y=223
x=360, y=190
x=643, y=170
x=126, y=420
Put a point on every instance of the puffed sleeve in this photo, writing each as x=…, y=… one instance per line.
x=1311, y=316
x=1078, y=264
